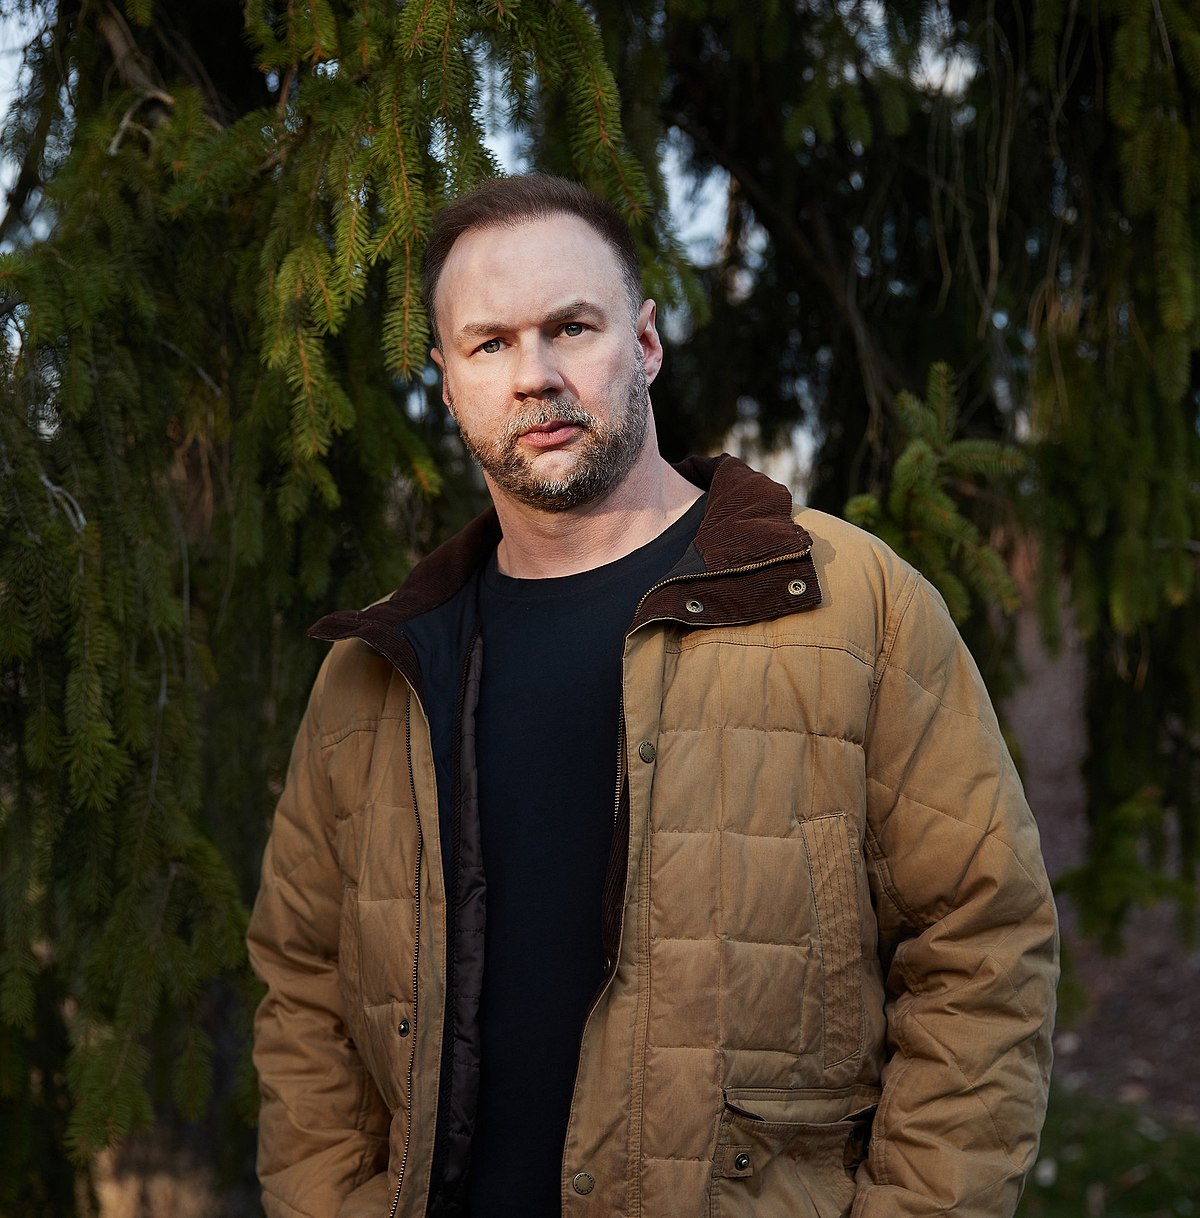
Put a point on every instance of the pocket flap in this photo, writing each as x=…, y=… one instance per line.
x=802, y=1106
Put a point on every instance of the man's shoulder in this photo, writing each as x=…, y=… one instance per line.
x=867, y=589
x=395, y=638
x=351, y=687
x=851, y=556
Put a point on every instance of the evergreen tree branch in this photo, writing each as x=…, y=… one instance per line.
x=199, y=371
x=133, y=68
x=285, y=87
x=66, y=503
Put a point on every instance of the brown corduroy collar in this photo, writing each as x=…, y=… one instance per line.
x=749, y=562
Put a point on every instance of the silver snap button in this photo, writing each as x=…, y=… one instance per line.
x=694, y=607
x=742, y=1161
x=647, y=752
x=797, y=587
x=583, y=1183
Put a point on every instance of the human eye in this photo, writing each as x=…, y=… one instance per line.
x=490, y=347
x=572, y=329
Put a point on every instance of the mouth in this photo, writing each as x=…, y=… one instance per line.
x=550, y=435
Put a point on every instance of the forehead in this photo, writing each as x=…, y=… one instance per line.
x=503, y=271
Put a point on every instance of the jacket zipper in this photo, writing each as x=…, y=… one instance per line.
x=416, y=958
x=620, y=757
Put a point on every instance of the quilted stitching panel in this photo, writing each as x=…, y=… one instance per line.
x=680, y=862
x=679, y=1122
x=765, y=890
x=766, y=998
x=683, y=998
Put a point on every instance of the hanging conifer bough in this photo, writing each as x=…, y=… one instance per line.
x=211, y=430
x=922, y=521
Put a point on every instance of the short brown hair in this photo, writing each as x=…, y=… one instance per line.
x=507, y=202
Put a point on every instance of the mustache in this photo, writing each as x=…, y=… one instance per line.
x=542, y=414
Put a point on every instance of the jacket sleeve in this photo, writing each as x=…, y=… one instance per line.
x=322, y=1131
x=968, y=934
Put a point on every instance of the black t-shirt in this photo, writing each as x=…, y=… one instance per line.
x=547, y=731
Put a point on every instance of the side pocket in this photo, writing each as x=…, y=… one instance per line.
x=792, y=1152
x=835, y=895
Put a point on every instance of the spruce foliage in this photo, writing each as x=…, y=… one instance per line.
x=922, y=520
x=211, y=430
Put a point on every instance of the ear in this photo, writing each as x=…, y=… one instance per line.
x=437, y=357
x=648, y=340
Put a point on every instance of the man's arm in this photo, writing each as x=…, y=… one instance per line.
x=968, y=933
x=322, y=1125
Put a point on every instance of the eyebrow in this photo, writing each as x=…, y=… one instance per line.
x=568, y=312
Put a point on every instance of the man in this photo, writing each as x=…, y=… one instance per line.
x=648, y=852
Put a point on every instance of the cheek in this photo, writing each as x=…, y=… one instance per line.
x=600, y=379
x=477, y=385
x=473, y=409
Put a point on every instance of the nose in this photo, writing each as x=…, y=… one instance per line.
x=536, y=373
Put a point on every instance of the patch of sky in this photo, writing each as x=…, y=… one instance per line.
x=1002, y=394
x=944, y=65
x=962, y=117
x=868, y=22
x=861, y=240
x=887, y=241
x=17, y=30
x=697, y=204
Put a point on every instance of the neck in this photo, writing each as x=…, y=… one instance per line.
x=543, y=545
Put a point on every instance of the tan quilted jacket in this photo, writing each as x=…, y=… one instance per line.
x=834, y=986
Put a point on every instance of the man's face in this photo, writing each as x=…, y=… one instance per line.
x=545, y=366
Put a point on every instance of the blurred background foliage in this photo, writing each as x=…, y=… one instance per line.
x=1111, y=1160
x=957, y=259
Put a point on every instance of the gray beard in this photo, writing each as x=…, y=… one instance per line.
x=603, y=461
